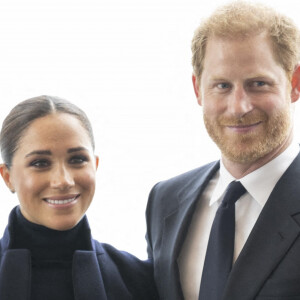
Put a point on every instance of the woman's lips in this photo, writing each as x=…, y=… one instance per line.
x=60, y=200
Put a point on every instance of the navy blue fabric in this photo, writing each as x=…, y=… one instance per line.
x=102, y=272
x=268, y=267
x=51, y=253
x=219, y=253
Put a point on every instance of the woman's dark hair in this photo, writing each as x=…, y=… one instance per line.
x=24, y=113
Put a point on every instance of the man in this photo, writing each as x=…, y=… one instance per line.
x=247, y=80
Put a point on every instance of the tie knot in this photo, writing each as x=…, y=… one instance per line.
x=233, y=192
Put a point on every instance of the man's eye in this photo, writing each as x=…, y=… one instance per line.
x=223, y=85
x=78, y=159
x=40, y=163
x=259, y=83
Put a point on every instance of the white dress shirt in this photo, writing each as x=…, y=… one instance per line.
x=259, y=185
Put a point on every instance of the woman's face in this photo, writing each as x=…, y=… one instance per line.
x=53, y=171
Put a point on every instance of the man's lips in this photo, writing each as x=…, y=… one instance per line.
x=58, y=200
x=243, y=127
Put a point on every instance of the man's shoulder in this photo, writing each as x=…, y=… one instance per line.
x=165, y=194
x=189, y=177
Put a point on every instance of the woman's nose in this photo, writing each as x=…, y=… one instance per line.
x=62, y=178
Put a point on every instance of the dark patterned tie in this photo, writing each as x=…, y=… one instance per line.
x=219, y=253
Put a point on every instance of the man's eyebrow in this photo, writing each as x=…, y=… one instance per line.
x=218, y=78
x=261, y=76
x=39, y=152
x=71, y=150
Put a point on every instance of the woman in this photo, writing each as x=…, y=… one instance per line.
x=47, y=252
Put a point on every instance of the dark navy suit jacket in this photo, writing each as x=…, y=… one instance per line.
x=102, y=274
x=268, y=266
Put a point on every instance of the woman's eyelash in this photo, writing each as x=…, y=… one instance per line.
x=40, y=163
x=77, y=159
x=44, y=163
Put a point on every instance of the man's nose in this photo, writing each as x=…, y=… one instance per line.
x=239, y=102
x=62, y=178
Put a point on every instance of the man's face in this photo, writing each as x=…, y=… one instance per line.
x=245, y=96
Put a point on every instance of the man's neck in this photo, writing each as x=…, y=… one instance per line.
x=239, y=170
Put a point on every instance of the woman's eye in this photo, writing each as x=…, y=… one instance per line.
x=40, y=163
x=78, y=159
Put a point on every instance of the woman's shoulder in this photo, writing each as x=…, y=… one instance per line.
x=121, y=266
x=108, y=253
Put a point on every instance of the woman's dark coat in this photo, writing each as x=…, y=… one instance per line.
x=101, y=274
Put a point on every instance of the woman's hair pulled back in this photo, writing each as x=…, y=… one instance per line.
x=24, y=113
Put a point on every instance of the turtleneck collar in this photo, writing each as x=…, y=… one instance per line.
x=45, y=243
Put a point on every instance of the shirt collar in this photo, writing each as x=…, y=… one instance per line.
x=259, y=183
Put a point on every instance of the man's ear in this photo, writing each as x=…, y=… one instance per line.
x=295, y=92
x=197, y=89
x=97, y=161
x=5, y=173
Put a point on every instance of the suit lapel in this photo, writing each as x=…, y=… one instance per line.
x=175, y=229
x=270, y=238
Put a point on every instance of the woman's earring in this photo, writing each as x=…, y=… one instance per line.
x=12, y=190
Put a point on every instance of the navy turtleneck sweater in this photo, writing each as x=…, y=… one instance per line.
x=51, y=255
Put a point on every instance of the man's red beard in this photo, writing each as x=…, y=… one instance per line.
x=249, y=146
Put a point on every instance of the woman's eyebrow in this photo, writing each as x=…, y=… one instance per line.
x=71, y=150
x=48, y=152
x=39, y=152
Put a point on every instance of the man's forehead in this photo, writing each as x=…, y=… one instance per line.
x=243, y=37
x=242, y=57
x=246, y=48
